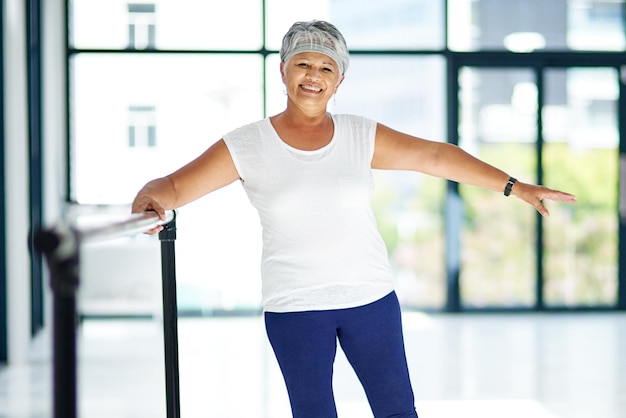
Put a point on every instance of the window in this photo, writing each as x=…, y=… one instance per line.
x=153, y=84
x=498, y=108
x=582, y=151
x=533, y=25
x=141, y=26
x=142, y=127
x=174, y=105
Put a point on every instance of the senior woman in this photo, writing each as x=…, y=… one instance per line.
x=325, y=271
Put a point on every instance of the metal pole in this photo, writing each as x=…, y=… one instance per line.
x=60, y=245
x=170, y=319
x=135, y=223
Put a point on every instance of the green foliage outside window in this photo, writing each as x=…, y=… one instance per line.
x=499, y=234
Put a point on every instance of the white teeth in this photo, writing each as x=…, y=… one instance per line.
x=311, y=88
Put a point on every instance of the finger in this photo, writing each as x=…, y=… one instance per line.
x=154, y=230
x=136, y=208
x=567, y=198
x=161, y=213
x=541, y=209
x=149, y=206
x=141, y=205
x=560, y=196
x=158, y=210
x=155, y=207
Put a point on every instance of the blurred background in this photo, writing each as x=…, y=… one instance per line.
x=152, y=85
x=101, y=96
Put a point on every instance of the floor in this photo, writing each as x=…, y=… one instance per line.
x=470, y=366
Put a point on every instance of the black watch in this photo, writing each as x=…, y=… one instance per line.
x=509, y=186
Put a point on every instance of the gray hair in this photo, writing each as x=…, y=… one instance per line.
x=316, y=36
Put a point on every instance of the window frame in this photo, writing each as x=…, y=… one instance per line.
x=539, y=61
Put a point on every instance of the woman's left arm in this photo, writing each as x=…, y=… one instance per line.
x=395, y=150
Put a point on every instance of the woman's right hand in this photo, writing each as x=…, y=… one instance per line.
x=145, y=203
x=210, y=171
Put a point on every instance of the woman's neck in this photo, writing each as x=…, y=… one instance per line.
x=299, y=117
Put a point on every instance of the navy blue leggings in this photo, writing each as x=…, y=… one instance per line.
x=305, y=344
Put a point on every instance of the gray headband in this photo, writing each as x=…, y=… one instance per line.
x=314, y=47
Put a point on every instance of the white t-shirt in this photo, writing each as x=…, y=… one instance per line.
x=321, y=246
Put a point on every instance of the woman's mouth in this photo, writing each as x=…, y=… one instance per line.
x=310, y=88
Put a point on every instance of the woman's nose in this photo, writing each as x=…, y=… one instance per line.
x=313, y=73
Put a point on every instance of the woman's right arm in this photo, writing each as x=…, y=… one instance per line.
x=212, y=170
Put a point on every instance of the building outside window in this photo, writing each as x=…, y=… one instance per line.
x=141, y=26
x=142, y=127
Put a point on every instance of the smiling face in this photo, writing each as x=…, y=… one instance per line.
x=311, y=79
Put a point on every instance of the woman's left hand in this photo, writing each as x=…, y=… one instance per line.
x=534, y=195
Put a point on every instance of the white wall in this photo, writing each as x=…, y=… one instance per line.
x=16, y=181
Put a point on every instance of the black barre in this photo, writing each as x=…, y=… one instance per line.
x=61, y=247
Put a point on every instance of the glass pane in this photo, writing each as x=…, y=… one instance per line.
x=395, y=24
x=182, y=102
x=408, y=206
x=166, y=24
x=498, y=125
x=176, y=106
x=530, y=25
x=581, y=156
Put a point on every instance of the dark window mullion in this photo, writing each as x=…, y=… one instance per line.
x=4, y=346
x=539, y=247
x=621, y=278
x=35, y=156
x=453, y=202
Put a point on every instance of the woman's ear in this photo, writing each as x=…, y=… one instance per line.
x=282, y=71
x=339, y=83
